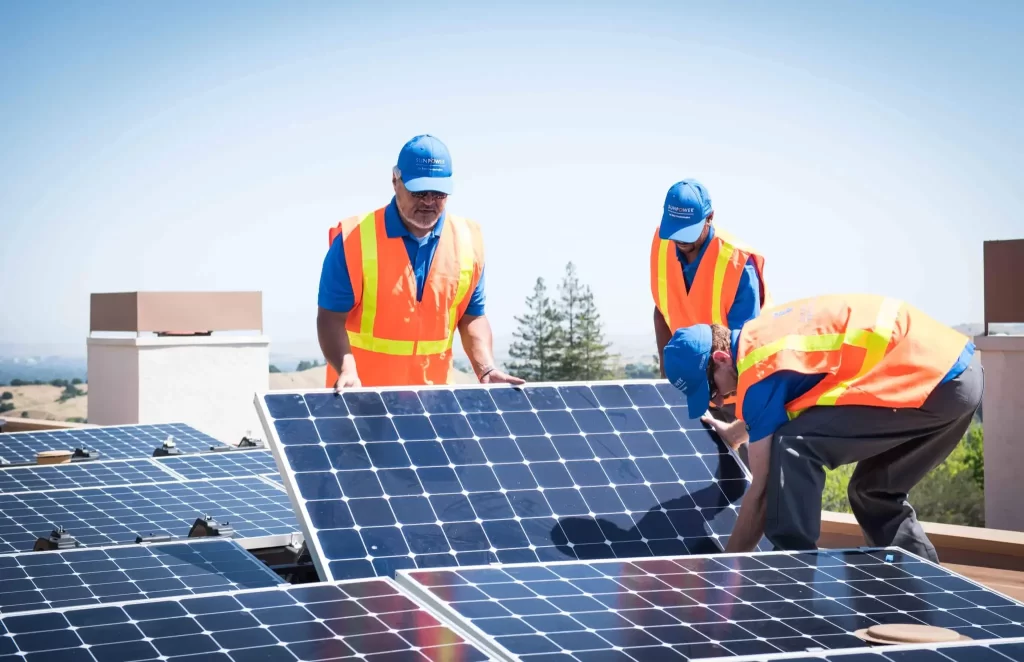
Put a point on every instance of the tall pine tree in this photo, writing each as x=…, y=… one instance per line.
x=537, y=348
x=569, y=302
x=593, y=350
x=585, y=354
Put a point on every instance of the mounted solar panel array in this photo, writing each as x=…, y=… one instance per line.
x=706, y=607
x=118, y=515
x=83, y=576
x=404, y=478
x=118, y=442
x=109, y=473
x=998, y=650
x=368, y=619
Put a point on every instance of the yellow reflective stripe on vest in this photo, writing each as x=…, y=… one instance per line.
x=725, y=251
x=464, y=247
x=365, y=340
x=663, y=253
x=877, y=343
x=368, y=245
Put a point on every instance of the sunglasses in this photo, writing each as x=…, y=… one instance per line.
x=420, y=195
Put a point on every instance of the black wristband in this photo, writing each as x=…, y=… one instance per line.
x=486, y=372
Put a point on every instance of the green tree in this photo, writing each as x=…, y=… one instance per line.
x=569, y=304
x=537, y=347
x=6, y=406
x=6, y=395
x=585, y=354
x=593, y=350
x=643, y=370
x=274, y=368
x=76, y=381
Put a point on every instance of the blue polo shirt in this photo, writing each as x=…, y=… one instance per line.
x=747, y=303
x=336, y=286
x=764, y=407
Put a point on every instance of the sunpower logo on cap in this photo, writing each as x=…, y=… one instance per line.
x=680, y=212
x=430, y=163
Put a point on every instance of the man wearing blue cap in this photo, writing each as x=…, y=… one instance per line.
x=398, y=281
x=699, y=273
x=828, y=381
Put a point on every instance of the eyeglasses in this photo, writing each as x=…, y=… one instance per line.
x=420, y=195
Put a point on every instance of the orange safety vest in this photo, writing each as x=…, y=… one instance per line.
x=395, y=339
x=714, y=286
x=875, y=351
x=713, y=290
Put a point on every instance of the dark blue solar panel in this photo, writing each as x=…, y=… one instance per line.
x=92, y=473
x=118, y=442
x=227, y=464
x=1008, y=650
x=401, y=478
x=368, y=620
x=116, y=515
x=679, y=608
x=84, y=576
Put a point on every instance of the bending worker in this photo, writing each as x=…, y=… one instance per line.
x=833, y=380
x=700, y=274
x=398, y=281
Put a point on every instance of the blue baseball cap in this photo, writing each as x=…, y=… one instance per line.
x=424, y=164
x=686, y=366
x=687, y=205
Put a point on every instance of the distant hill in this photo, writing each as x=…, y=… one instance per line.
x=43, y=401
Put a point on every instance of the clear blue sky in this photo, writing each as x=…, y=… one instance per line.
x=862, y=146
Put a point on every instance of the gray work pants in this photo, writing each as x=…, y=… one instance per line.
x=893, y=448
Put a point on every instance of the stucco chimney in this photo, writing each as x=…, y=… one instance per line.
x=190, y=357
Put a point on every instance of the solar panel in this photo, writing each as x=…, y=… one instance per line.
x=116, y=515
x=108, y=473
x=441, y=476
x=112, y=442
x=368, y=619
x=93, y=473
x=227, y=464
x=678, y=608
x=84, y=576
x=999, y=650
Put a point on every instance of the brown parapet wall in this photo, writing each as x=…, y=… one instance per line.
x=963, y=545
x=176, y=312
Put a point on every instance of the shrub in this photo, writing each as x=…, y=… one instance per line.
x=6, y=406
x=952, y=493
x=6, y=395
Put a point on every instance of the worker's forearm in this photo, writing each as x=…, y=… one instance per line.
x=478, y=342
x=662, y=334
x=333, y=337
x=749, y=524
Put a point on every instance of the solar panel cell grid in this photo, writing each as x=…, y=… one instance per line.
x=369, y=620
x=81, y=474
x=109, y=473
x=112, y=442
x=712, y=606
x=47, y=580
x=401, y=478
x=116, y=515
x=1008, y=650
x=227, y=464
